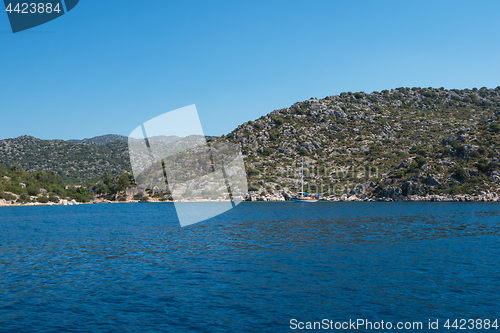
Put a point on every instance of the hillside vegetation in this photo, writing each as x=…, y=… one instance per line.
x=24, y=187
x=75, y=163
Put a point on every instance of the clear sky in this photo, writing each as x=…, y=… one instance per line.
x=108, y=66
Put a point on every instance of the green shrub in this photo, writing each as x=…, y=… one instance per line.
x=43, y=200
x=32, y=190
x=340, y=136
x=303, y=152
x=23, y=198
x=258, y=126
x=430, y=94
x=482, y=165
x=6, y=196
x=420, y=160
x=273, y=134
x=267, y=151
x=413, y=165
x=399, y=174
x=454, y=190
x=418, y=150
x=459, y=148
x=253, y=173
x=459, y=173
x=16, y=189
x=495, y=127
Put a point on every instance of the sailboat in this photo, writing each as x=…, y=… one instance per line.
x=304, y=196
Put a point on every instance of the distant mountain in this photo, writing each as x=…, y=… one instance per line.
x=103, y=139
x=108, y=138
x=76, y=163
x=173, y=138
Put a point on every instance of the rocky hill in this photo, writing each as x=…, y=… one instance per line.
x=399, y=144
x=75, y=163
x=396, y=144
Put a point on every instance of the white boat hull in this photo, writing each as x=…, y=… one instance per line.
x=304, y=200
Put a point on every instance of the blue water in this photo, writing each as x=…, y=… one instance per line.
x=131, y=268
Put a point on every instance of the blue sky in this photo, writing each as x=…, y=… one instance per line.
x=108, y=66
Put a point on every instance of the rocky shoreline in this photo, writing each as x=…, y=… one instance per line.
x=490, y=197
x=6, y=203
x=487, y=197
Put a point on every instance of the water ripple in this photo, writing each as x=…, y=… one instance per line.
x=131, y=268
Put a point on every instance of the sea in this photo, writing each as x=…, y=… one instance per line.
x=260, y=267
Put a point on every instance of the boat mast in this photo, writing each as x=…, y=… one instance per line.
x=302, y=177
